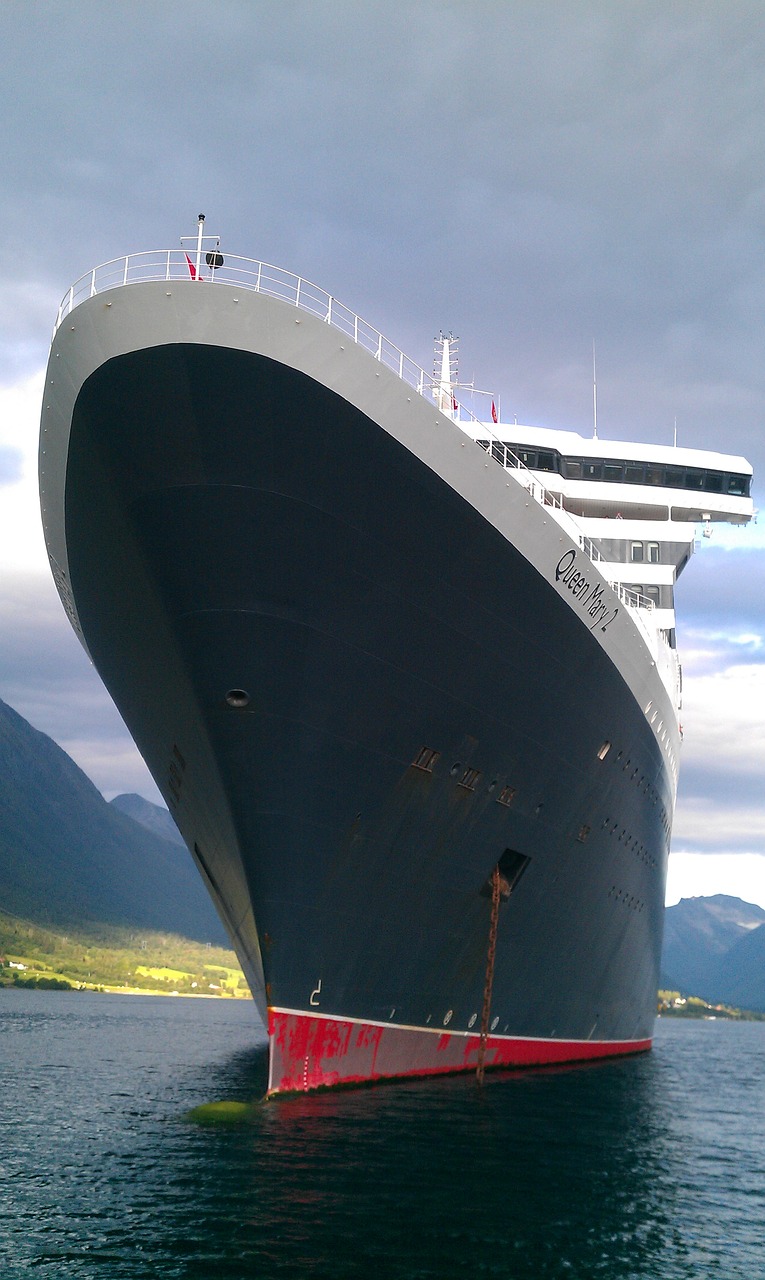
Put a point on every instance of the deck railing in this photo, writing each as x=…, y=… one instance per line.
x=260, y=277
x=263, y=277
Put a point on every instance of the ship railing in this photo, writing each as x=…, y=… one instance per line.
x=260, y=277
x=263, y=277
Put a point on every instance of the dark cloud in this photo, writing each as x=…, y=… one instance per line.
x=721, y=593
x=530, y=176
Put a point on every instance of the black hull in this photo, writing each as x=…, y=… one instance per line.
x=234, y=525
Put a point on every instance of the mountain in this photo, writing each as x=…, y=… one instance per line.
x=153, y=817
x=67, y=857
x=715, y=948
x=740, y=976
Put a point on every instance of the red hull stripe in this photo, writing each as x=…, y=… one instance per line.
x=319, y=1051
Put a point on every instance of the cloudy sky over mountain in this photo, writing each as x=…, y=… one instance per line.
x=530, y=175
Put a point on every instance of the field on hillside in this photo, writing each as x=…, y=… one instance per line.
x=115, y=959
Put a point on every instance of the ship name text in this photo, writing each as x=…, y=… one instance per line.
x=588, y=593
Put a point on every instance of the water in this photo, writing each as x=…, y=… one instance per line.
x=650, y=1167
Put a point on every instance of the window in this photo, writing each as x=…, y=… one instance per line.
x=636, y=552
x=572, y=468
x=498, y=452
x=506, y=795
x=738, y=485
x=652, y=593
x=469, y=779
x=652, y=549
x=633, y=473
x=546, y=461
x=593, y=471
x=425, y=759
x=654, y=475
x=604, y=750
x=613, y=471
x=694, y=480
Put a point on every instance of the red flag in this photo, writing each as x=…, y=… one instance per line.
x=493, y=412
x=455, y=406
x=192, y=268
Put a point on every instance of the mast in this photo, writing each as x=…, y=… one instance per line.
x=594, y=396
x=445, y=373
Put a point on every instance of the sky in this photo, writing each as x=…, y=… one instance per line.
x=532, y=176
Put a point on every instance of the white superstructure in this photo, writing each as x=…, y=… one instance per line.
x=637, y=505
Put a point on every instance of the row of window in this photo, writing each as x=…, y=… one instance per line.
x=616, y=471
x=648, y=552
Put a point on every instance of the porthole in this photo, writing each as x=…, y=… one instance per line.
x=238, y=698
x=494, y=1023
x=604, y=750
x=472, y=1019
x=448, y=1017
x=455, y=769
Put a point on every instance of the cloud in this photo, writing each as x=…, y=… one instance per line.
x=11, y=461
x=593, y=171
x=598, y=172
x=718, y=823
x=694, y=875
x=722, y=592
x=48, y=678
x=21, y=537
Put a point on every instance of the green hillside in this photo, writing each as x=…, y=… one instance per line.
x=110, y=958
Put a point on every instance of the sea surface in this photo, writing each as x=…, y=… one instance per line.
x=651, y=1166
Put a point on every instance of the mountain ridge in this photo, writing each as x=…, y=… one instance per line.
x=68, y=857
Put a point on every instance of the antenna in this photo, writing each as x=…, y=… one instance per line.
x=674, y=441
x=594, y=396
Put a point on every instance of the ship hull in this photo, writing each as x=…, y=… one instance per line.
x=309, y=1051
x=232, y=525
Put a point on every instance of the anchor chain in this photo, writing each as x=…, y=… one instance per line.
x=496, y=880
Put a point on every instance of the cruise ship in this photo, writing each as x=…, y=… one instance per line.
x=407, y=679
